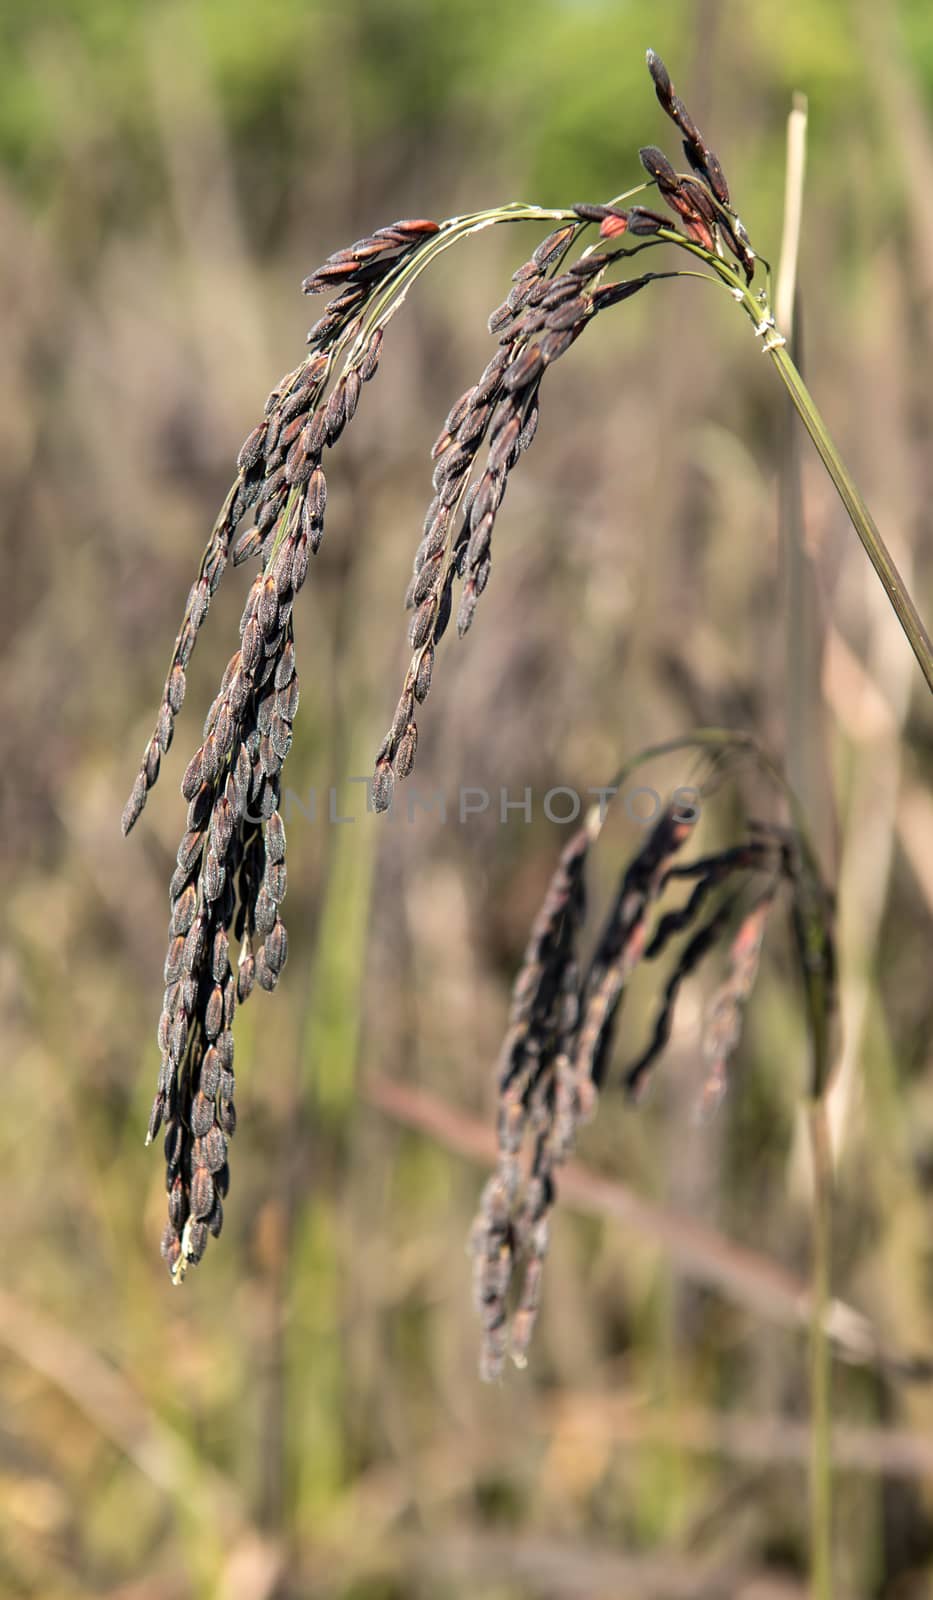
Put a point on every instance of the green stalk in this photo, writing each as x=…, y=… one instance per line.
x=758, y=308
x=859, y=515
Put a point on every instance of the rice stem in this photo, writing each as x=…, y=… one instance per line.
x=758, y=308
x=859, y=515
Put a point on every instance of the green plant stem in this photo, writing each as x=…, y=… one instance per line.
x=820, y=1400
x=758, y=308
x=859, y=514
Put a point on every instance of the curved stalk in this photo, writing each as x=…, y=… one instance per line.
x=859, y=515
x=758, y=308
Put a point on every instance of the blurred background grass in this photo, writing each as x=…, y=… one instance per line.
x=304, y=1417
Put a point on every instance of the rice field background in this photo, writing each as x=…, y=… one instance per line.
x=304, y=1416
